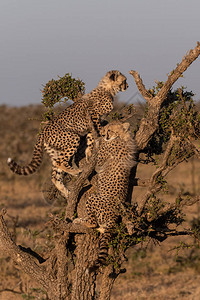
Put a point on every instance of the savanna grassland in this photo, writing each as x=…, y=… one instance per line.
x=164, y=271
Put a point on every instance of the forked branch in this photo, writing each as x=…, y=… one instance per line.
x=141, y=87
x=149, y=123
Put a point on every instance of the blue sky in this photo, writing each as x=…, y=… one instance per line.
x=41, y=39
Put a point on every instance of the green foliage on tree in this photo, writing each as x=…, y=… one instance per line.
x=62, y=89
x=178, y=115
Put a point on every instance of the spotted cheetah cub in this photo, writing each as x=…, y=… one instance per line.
x=115, y=159
x=61, y=136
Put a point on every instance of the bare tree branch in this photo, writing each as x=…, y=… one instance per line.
x=141, y=87
x=154, y=184
x=149, y=123
x=63, y=226
x=175, y=74
x=24, y=260
x=184, y=202
x=77, y=184
x=168, y=208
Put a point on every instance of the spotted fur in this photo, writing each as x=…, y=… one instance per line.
x=116, y=157
x=61, y=136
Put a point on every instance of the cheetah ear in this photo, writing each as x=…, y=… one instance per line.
x=126, y=126
x=114, y=75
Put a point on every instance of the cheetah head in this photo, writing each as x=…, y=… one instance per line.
x=114, y=130
x=114, y=81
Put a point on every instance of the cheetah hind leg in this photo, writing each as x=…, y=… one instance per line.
x=61, y=153
x=57, y=179
x=62, y=163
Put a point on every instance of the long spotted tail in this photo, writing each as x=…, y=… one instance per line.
x=103, y=252
x=35, y=162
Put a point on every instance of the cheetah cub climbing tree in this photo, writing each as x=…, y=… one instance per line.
x=61, y=136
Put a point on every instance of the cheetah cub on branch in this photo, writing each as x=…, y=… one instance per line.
x=61, y=136
x=115, y=159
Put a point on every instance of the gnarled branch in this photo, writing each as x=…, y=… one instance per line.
x=77, y=184
x=23, y=259
x=141, y=87
x=149, y=123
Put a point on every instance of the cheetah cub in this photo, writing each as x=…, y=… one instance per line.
x=115, y=159
x=61, y=136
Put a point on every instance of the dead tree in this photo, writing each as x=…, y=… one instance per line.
x=63, y=273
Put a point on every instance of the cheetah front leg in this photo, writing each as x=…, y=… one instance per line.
x=90, y=146
x=92, y=141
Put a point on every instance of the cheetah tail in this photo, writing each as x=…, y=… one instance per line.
x=103, y=252
x=35, y=162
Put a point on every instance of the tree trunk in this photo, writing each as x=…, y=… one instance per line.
x=83, y=287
